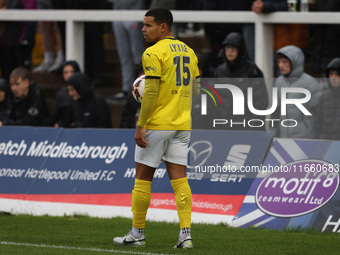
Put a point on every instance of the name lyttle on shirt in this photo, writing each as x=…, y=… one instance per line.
x=178, y=48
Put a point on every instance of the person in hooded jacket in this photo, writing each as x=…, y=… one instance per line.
x=28, y=107
x=89, y=108
x=327, y=118
x=62, y=115
x=238, y=65
x=291, y=61
x=4, y=99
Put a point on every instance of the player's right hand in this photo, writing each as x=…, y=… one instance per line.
x=139, y=137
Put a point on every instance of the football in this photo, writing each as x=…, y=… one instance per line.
x=138, y=88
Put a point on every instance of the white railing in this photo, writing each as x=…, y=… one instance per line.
x=263, y=25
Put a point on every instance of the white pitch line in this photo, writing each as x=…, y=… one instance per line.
x=79, y=248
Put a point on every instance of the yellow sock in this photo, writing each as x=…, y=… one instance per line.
x=141, y=195
x=183, y=199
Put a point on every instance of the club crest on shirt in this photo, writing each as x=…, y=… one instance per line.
x=33, y=111
x=148, y=68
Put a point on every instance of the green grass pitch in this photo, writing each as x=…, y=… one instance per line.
x=23, y=234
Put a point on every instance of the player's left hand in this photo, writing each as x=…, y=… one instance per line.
x=139, y=137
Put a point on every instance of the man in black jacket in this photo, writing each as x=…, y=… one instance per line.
x=89, y=108
x=238, y=65
x=327, y=119
x=28, y=106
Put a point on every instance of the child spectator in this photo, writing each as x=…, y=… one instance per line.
x=89, y=108
x=291, y=62
x=62, y=115
x=237, y=64
x=28, y=106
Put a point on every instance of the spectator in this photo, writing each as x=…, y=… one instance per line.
x=130, y=47
x=89, y=108
x=238, y=65
x=236, y=61
x=62, y=115
x=49, y=30
x=291, y=61
x=326, y=37
x=28, y=106
x=17, y=40
x=4, y=99
x=327, y=120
